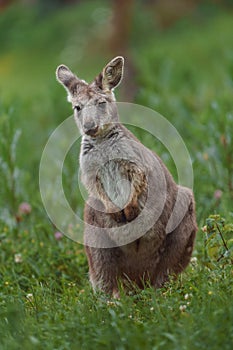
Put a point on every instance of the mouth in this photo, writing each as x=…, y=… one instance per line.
x=92, y=132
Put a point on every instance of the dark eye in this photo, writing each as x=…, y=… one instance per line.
x=77, y=108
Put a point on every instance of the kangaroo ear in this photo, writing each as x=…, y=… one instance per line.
x=111, y=75
x=67, y=78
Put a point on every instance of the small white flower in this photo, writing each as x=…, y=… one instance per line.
x=186, y=296
x=193, y=260
x=152, y=309
x=29, y=296
x=18, y=258
x=183, y=308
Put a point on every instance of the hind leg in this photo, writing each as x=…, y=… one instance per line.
x=177, y=249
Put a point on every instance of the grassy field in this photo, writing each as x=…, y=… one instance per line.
x=186, y=74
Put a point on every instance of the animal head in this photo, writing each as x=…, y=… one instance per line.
x=93, y=104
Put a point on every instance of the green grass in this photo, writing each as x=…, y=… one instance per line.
x=186, y=74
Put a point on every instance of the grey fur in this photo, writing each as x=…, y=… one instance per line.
x=131, y=193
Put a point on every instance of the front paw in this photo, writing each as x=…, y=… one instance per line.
x=131, y=211
x=118, y=216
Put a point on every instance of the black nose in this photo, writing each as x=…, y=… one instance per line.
x=90, y=128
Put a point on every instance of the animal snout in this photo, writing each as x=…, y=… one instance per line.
x=90, y=128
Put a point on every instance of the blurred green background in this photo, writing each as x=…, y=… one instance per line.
x=179, y=62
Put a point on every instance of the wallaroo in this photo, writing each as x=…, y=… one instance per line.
x=140, y=226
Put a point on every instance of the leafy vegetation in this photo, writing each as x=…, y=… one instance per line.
x=186, y=74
